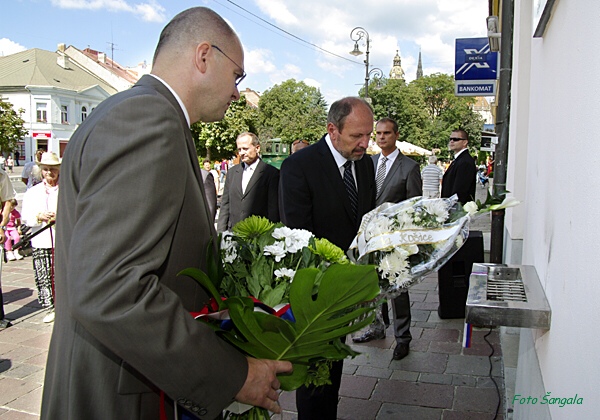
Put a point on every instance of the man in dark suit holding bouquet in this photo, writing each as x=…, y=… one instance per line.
x=326, y=188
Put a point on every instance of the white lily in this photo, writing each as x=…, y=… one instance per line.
x=506, y=203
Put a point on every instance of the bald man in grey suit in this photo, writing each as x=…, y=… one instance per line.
x=131, y=215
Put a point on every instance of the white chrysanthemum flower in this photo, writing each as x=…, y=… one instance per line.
x=277, y=250
x=470, y=207
x=436, y=208
x=378, y=226
x=285, y=272
x=295, y=239
x=459, y=241
x=405, y=220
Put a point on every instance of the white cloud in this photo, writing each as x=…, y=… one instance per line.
x=278, y=11
x=312, y=82
x=259, y=61
x=8, y=47
x=150, y=11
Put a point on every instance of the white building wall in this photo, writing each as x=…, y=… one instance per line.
x=559, y=224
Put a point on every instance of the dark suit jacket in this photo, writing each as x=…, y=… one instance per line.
x=210, y=191
x=259, y=199
x=460, y=178
x=313, y=196
x=401, y=182
x=131, y=215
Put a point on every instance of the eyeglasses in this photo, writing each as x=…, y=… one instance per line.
x=238, y=79
x=455, y=139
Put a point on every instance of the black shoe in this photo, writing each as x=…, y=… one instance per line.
x=368, y=336
x=4, y=323
x=401, y=351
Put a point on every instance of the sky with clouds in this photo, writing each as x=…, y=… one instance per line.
x=128, y=31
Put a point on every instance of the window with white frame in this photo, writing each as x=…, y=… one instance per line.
x=64, y=114
x=84, y=113
x=41, y=112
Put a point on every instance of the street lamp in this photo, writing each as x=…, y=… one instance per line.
x=356, y=35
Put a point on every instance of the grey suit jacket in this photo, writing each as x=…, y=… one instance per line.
x=260, y=197
x=131, y=216
x=402, y=181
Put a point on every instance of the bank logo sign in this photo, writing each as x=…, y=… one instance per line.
x=475, y=68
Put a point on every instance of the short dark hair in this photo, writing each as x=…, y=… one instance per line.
x=340, y=109
x=389, y=120
x=463, y=133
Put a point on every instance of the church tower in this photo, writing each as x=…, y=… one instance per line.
x=420, y=67
x=396, y=72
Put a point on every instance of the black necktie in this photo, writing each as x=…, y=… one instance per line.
x=351, y=187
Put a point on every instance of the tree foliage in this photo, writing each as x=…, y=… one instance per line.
x=12, y=127
x=292, y=110
x=216, y=140
x=427, y=111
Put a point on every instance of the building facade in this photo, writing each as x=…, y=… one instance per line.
x=57, y=91
x=552, y=168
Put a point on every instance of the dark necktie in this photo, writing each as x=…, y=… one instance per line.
x=351, y=187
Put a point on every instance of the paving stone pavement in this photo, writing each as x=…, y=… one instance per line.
x=439, y=379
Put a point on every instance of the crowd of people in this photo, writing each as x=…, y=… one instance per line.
x=124, y=344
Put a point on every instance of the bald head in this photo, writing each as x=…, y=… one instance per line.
x=188, y=29
x=201, y=58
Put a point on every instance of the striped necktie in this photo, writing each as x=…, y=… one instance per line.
x=381, y=172
x=351, y=187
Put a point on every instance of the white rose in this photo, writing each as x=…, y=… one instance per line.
x=470, y=207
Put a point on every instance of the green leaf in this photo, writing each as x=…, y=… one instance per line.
x=201, y=277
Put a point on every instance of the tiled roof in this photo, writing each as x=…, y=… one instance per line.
x=39, y=67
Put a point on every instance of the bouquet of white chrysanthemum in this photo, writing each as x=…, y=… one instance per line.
x=410, y=239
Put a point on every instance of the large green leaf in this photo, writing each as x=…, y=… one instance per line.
x=321, y=318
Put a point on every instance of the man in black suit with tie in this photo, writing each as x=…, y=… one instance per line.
x=326, y=188
x=460, y=177
x=397, y=178
x=250, y=187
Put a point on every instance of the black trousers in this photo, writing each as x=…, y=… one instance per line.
x=402, y=317
x=320, y=403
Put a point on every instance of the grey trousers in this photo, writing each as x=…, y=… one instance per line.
x=402, y=318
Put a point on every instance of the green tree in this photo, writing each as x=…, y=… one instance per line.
x=405, y=105
x=292, y=110
x=448, y=112
x=12, y=127
x=217, y=140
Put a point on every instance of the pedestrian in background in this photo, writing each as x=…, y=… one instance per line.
x=432, y=176
x=7, y=193
x=31, y=172
x=9, y=164
x=39, y=209
x=13, y=232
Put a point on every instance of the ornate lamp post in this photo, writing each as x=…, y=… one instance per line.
x=356, y=35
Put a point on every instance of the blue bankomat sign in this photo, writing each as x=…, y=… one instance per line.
x=475, y=68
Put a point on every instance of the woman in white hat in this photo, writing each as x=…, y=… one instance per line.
x=39, y=209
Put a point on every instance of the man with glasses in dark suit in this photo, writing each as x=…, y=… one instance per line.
x=460, y=177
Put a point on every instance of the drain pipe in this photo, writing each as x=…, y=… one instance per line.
x=502, y=126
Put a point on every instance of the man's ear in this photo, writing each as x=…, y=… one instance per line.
x=201, y=56
x=331, y=129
